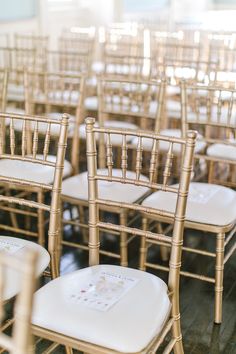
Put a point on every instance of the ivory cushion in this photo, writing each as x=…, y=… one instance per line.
x=30, y=171
x=222, y=151
x=12, y=278
x=128, y=326
x=77, y=187
x=207, y=203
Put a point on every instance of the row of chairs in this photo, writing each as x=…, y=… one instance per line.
x=213, y=115
x=87, y=327
x=174, y=62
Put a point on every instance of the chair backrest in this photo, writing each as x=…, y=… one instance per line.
x=140, y=102
x=17, y=59
x=68, y=61
x=31, y=41
x=4, y=74
x=123, y=40
x=176, y=70
x=57, y=91
x=176, y=50
x=211, y=110
x=159, y=178
x=127, y=66
x=20, y=342
x=47, y=178
x=137, y=99
x=77, y=42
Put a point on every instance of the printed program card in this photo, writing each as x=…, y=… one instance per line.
x=10, y=246
x=102, y=290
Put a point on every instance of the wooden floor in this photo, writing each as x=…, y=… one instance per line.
x=200, y=335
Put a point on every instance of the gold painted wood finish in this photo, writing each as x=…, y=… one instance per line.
x=53, y=92
x=27, y=192
x=20, y=342
x=97, y=223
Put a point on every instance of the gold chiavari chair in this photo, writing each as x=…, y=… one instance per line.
x=77, y=47
x=32, y=41
x=139, y=305
x=176, y=50
x=123, y=100
x=120, y=66
x=119, y=95
x=77, y=41
x=211, y=203
x=71, y=62
x=51, y=93
x=15, y=60
x=123, y=40
x=127, y=66
x=81, y=42
x=174, y=71
x=28, y=175
x=24, y=272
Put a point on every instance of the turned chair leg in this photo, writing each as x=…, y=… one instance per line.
x=219, y=274
x=123, y=240
x=41, y=221
x=143, y=246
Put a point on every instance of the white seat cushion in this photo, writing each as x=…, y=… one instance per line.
x=77, y=187
x=207, y=203
x=128, y=326
x=92, y=82
x=115, y=139
x=32, y=171
x=58, y=97
x=172, y=90
x=222, y=151
x=15, y=92
x=18, y=123
x=98, y=67
x=164, y=146
x=91, y=103
x=19, y=247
